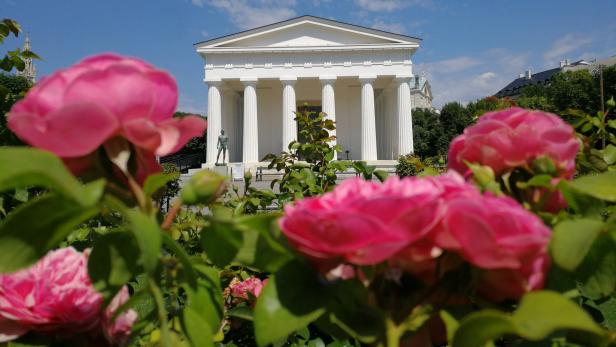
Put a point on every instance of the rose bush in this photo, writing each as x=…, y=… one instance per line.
x=416, y=261
x=56, y=297
x=412, y=220
x=75, y=111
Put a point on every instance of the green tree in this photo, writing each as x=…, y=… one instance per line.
x=609, y=82
x=13, y=88
x=491, y=103
x=574, y=90
x=427, y=133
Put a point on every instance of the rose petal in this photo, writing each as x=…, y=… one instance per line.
x=175, y=133
x=71, y=131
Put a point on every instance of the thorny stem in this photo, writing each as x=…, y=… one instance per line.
x=173, y=211
x=142, y=201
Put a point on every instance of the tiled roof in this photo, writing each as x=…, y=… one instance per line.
x=516, y=86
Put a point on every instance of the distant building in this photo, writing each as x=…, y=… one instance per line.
x=29, y=71
x=421, y=92
x=514, y=88
x=592, y=64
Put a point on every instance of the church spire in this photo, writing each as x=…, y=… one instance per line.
x=29, y=71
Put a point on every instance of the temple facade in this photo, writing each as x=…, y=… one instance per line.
x=360, y=77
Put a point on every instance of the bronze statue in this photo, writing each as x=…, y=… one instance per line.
x=222, y=145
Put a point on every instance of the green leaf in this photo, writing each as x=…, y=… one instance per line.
x=381, y=175
x=601, y=186
x=12, y=25
x=241, y=312
x=21, y=194
x=351, y=312
x=206, y=301
x=36, y=227
x=23, y=167
x=262, y=247
x=450, y=322
x=197, y=329
x=291, y=299
x=597, y=274
x=221, y=242
x=4, y=30
x=543, y=312
x=538, y=315
x=609, y=154
x=113, y=262
x=572, y=239
x=583, y=204
x=148, y=236
x=157, y=181
x=30, y=54
x=608, y=311
x=19, y=64
x=479, y=328
x=536, y=181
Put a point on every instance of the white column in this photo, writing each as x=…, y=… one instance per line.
x=392, y=121
x=289, y=125
x=251, y=131
x=368, y=124
x=405, y=118
x=214, y=119
x=328, y=102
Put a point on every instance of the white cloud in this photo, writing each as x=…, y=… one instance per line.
x=390, y=5
x=454, y=64
x=393, y=27
x=565, y=45
x=205, y=33
x=468, y=78
x=245, y=14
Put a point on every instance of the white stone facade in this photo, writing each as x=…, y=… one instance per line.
x=360, y=78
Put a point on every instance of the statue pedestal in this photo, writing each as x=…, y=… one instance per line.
x=221, y=169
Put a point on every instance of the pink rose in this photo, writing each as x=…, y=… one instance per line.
x=74, y=111
x=498, y=235
x=118, y=331
x=418, y=258
x=362, y=222
x=54, y=295
x=246, y=289
x=514, y=137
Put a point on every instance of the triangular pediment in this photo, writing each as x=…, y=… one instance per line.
x=307, y=31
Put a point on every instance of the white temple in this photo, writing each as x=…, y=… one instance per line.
x=360, y=77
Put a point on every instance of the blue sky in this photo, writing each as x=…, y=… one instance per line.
x=470, y=48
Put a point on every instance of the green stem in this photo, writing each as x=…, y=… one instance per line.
x=162, y=312
x=393, y=333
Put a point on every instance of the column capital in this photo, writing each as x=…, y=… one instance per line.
x=214, y=81
x=249, y=81
x=327, y=79
x=367, y=78
x=288, y=79
x=403, y=78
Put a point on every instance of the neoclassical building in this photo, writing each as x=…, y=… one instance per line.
x=360, y=77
